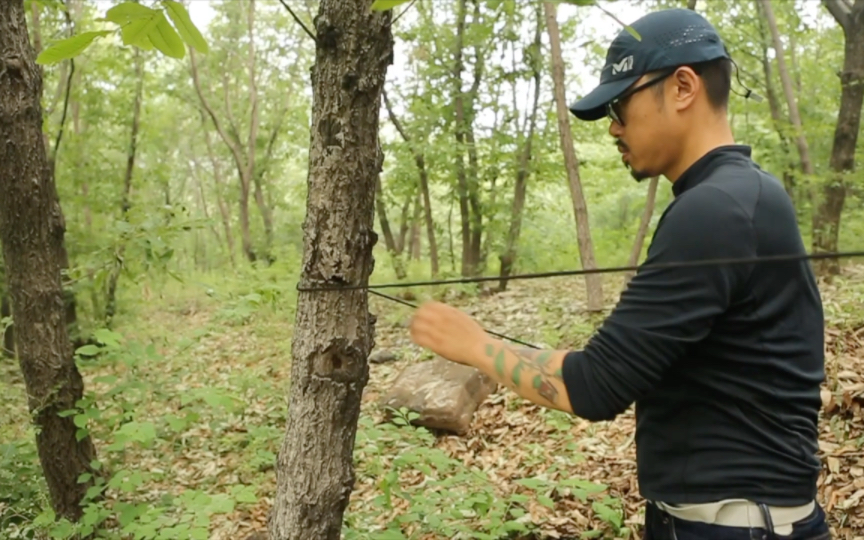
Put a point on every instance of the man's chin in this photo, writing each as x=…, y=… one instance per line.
x=638, y=175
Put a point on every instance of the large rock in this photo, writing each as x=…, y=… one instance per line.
x=445, y=394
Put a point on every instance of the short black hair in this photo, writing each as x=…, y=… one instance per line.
x=717, y=75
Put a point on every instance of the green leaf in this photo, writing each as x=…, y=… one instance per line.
x=107, y=337
x=88, y=350
x=606, y=513
x=137, y=32
x=384, y=5
x=188, y=31
x=166, y=39
x=69, y=47
x=127, y=12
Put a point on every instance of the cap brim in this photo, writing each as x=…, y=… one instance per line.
x=593, y=106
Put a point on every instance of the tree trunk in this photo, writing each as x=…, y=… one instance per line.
x=334, y=331
x=508, y=258
x=389, y=241
x=265, y=208
x=416, y=240
x=125, y=204
x=62, y=95
x=788, y=91
x=218, y=181
x=31, y=233
x=420, y=160
x=642, y=233
x=244, y=157
x=461, y=173
x=245, y=235
x=826, y=219
x=775, y=109
x=8, y=334
x=404, y=225
x=266, y=218
x=477, y=261
x=593, y=282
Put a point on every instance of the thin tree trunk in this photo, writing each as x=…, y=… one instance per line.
x=249, y=174
x=244, y=158
x=218, y=183
x=416, y=240
x=593, y=282
x=774, y=107
x=642, y=233
x=404, y=225
x=266, y=218
x=202, y=198
x=264, y=208
x=826, y=218
x=476, y=213
x=508, y=258
x=788, y=91
x=8, y=334
x=389, y=241
x=420, y=160
x=461, y=173
x=31, y=234
x=125, y=204
x=334, y=331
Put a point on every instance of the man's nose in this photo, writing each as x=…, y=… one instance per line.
x=615, y=128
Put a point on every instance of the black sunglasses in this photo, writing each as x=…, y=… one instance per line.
x=613, y=108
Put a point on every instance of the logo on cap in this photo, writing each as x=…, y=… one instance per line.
x=625, y=65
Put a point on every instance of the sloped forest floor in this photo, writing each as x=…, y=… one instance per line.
x=191, y=398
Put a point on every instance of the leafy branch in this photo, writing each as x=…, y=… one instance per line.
x=384, y=5
x=140, y=26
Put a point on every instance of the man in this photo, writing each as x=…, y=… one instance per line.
x=722, y=361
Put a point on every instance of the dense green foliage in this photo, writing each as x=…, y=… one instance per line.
x=193, y=367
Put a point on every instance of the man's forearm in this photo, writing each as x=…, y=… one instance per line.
x=533, y=374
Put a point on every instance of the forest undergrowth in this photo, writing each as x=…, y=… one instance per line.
x=190, y=403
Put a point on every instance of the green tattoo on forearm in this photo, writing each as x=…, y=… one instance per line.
x=528, y=359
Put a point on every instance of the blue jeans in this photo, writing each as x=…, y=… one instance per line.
x=661, y=526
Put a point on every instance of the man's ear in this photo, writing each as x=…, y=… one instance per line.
x=686, y=86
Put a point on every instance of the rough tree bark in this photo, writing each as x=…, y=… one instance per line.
x=31, y=232
x=593, y=282
x=334, y=331
x=826, y=218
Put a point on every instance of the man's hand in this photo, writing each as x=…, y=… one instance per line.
x=452, y=334
x=448, y=332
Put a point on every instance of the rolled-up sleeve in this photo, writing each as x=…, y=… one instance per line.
x=663, y=310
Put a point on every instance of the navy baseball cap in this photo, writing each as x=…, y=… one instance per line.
x=669, y=38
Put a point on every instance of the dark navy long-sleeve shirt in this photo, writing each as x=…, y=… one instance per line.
x=723, y=362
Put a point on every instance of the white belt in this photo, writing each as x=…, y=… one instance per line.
x=739, y=513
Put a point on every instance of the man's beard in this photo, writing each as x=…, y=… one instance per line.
x=637, y=175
